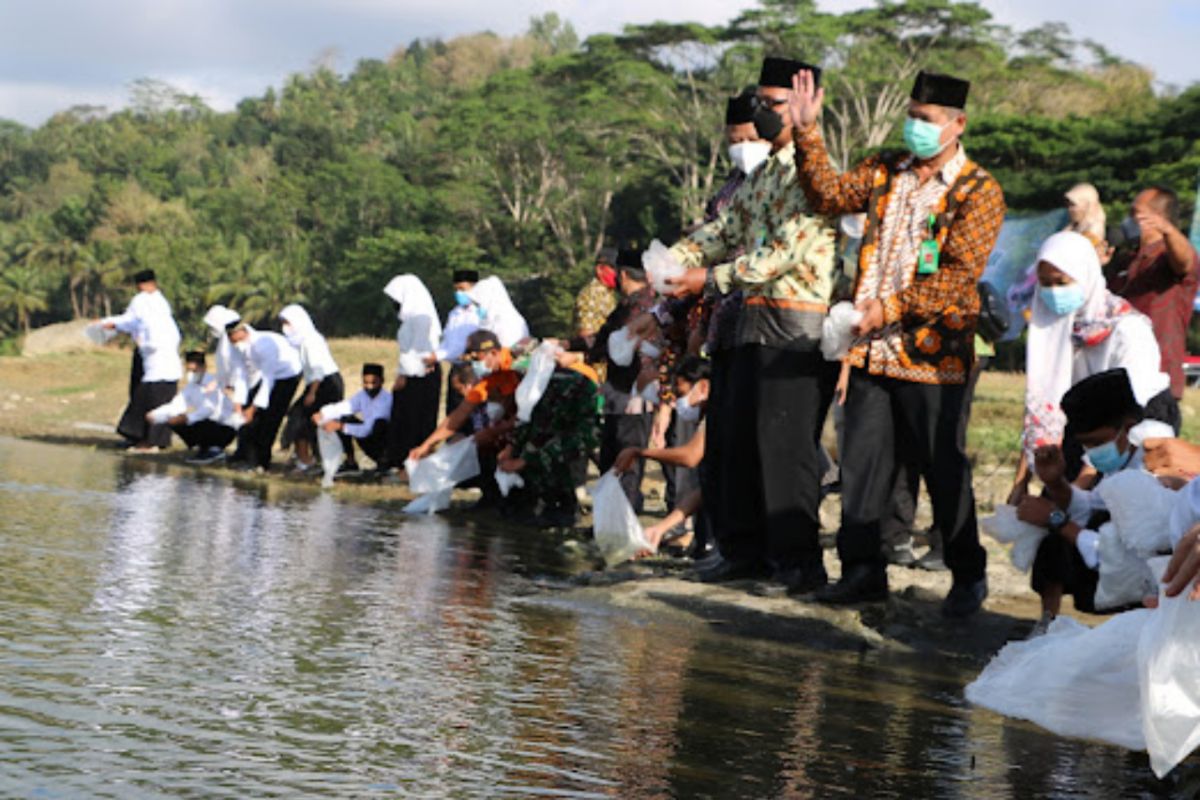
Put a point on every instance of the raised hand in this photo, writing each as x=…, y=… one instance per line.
x=804, y=103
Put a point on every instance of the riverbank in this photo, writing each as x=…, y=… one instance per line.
x=75, y=398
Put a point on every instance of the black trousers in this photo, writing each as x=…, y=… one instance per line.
x=619, y=432
x=299, y=419
x=775, y=408
x=881, y=412
x=257, y=438
x=205, y=434
x=145, y=397
x=1058, y=563
x=374, y=444
x=897, y=524
x=414, y=415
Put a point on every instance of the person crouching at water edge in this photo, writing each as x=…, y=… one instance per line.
x=1105, y=418
x=323, y=383
x=495, y=389
x=201, y=414
x=278, y=366
x=364, y=419
x=932, y=219
x=156, y=371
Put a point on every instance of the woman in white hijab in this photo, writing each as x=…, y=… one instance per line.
x=322, y=379
x=418, y=386
x=1078, y=328
x=499, y=315
x=233, y=371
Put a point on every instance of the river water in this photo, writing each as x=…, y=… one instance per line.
x=171, y=634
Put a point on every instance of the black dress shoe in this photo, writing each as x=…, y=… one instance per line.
x=803, y=580
x=861, y=583
x=733, y=571
x=965, y=598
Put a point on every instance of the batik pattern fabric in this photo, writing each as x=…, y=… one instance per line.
x=929, y=320
x=593, y=305
x=563, y=428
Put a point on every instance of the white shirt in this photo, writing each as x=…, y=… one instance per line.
x=200, y=401
x=368, y=409
x=274, y=359
x=148, y=321
x=462, y=322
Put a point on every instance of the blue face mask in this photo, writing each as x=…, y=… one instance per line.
x=923, y=139
x=1062, y=299
x=1107, y=458
x=461, y=297
x=481, y=369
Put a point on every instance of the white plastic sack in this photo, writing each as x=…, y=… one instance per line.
x=507, y=481
x=1168, y=665
x=412, y=365
x=1073, y=681
x=329, y=444
x=537, y=378
x=660, y=266
x=1124, y=576
x=446, y=468
x=621, y=347
x=1141, y=509
x=430, y=503
x=1004, y=527
x=837, y=335
x=614, y=523
x=98, y=334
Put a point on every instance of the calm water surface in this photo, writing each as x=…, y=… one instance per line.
x=169, y=634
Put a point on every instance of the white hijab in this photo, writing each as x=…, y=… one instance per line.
x=217, y=318
x=1086, y=197
x=1064, y=348
x=500, y=315
x=420, y=329
x=315, y=356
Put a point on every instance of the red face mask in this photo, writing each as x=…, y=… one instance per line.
x=607, y=275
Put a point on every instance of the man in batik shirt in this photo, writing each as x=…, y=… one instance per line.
x=933, y=216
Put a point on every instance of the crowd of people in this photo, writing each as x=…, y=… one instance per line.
x=722, y=371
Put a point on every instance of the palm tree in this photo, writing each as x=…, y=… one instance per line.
x=22, y=292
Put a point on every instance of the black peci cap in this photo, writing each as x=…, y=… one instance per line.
x=940, y=90
x=780, y=71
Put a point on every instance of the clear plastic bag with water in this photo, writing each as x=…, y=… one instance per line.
x=837, y=331
x=537, y=378
x=1004, y=527
x=661, y=266
x=329, y=444
x=616, y=527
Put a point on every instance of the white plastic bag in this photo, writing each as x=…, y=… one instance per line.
x=1168, y=665
x=661, y=266
x=507, y=481
x=1004, y=527
x=1073, y=681
x=330, y=446
x=1140, y=508
x=537, y=378
x=1124, y=576
x=430, y=503
x=837, y=333
x=621, y=347
x=443, y=470
x=614, y=523
x=412, y=365
x=98, y=334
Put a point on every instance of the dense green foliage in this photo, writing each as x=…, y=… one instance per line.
x=522, y=157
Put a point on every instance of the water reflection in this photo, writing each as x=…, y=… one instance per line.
x=163, y=633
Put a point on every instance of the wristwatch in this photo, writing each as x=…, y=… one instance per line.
x=1058, y=518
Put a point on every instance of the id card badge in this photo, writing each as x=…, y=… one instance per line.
x=929, y=252
x=927, y=257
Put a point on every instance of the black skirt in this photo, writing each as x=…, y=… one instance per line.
x=299, y=423
x=144, y=398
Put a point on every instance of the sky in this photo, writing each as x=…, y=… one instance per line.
x=59, y=53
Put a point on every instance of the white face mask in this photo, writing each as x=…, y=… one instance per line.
x=686, y=411
x=195, y=377
x=495, y=412
x=747, y=156
x=243, y=346
x=649, y=350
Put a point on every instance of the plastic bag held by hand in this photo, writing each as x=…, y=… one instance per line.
x=330, y=446
x=621, y=347
x=507, y=481
x=616, y=526
x=537, y=378
x=837, y=331
x=1124, y=577
x=98, y=334
x=660, y=267
x=1140, y=508
x=439, y=473
x=1004, y=527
